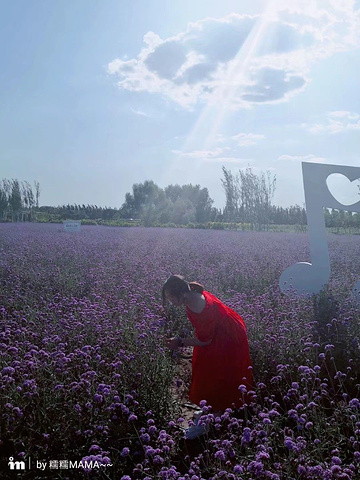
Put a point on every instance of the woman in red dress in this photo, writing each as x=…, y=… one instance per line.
x=221, y=358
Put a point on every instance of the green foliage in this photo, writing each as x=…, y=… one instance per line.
x=216, y=225
x=153, y=385
x=88, y=221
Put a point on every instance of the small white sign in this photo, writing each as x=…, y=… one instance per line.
x=72, y=225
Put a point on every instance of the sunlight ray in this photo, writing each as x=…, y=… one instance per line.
x=213, y=115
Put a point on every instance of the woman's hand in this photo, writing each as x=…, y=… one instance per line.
x=176, y=342
x=173, y=343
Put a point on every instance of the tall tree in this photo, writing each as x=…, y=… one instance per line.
x=3, y=200
x=177, y=204
x=27, y=194
x=173, y=192
x=230, y=184
x=37, y=192
x=200, y=199
x=183, y=212
x=148, y=202
x=249, y=196
x=15, y=200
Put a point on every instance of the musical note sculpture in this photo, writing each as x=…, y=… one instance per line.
x=310, y=278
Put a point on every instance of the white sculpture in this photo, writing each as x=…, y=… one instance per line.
x=310, y=278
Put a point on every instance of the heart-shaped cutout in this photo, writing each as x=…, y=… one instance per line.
x=343, y=190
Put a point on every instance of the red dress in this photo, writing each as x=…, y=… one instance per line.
x=220, y=367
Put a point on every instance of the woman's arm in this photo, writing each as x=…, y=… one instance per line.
x=177, y=342
x=195, y=342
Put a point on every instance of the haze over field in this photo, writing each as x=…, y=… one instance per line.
x=96, y=96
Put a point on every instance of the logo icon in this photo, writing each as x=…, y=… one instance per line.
x=18, y=465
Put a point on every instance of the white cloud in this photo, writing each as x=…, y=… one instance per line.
x=335, y=122
x=140, y=113
x=302, y=158
x=216, y=155
x=247, y=139
x=202, y=153
x=232, y=160
x=236, y=160
x=231, y=148
x=272, y=84
x=258, y=59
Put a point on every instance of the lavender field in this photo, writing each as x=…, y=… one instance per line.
x=85, y=376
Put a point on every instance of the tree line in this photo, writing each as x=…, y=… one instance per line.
x=248, y=205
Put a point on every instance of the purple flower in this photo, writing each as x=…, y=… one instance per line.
x=242, y=389
x=246, y=437
x=238, y=469
x=256, y=467
x=98, y=398
x=125, y=452
x=158, y=460
x=220, y=455
x=8, y=371
x=293, y=414
x=124, y=409
x=335, y=469
x=145, y=437
x=354, y=402
x=274, y=413
x=94, y=449
x=289, y=443
x=17, y=412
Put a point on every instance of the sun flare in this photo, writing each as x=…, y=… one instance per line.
x=221, y=102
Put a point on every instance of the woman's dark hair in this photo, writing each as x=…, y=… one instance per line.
x=176, y=285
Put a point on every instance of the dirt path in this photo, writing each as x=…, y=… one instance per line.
x=188, y=408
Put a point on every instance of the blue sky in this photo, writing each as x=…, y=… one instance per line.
x=96, y=95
